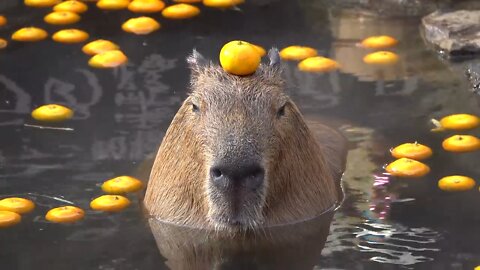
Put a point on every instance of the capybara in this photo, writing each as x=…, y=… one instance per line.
x=239, y=155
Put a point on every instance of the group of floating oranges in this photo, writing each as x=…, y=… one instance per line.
x=409, y=155
x=12, y=208
x=106, y=54
x=239, y=58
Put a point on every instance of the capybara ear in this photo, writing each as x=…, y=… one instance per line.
x=274, y=57
x=196, y=61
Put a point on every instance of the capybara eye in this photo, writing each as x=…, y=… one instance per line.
x=195, y=108
x=281, y=111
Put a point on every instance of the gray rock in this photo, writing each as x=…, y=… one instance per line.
x=454, y=33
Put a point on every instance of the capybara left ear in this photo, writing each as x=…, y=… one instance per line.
x=274, y=57
x=196, y=60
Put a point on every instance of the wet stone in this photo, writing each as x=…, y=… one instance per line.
x=455, y=33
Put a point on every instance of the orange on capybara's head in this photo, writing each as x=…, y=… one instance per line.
x=238, y=155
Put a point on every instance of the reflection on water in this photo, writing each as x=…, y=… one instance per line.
x=121, y=115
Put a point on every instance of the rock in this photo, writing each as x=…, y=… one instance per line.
x=388, y=8
x=455, y=33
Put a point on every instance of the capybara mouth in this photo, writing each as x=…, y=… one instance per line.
x=241, y=210
x=235, y=222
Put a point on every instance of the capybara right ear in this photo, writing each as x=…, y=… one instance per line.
x=196, y=61
x=274, y=57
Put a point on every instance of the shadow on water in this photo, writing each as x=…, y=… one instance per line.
x=121, y=115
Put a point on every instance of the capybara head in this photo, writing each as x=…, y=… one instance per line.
x=237, y=154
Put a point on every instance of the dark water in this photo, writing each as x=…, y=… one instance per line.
x=121, y=116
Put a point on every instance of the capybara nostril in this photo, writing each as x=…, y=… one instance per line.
x=244, y=175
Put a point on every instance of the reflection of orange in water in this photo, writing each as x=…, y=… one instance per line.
x=146, y=6
x=110, y=203
x=412, y=150
x=17, y=205
x=456, y=183
x=141, y=25
x=99, y=46
x=180, y=11
x=318, y=64
x=461, y=143
x=61, y=17
x=72, y=6
x=222, y=3
x=239, y=58
x=379, y=42
x=65, y=214
x=41, y=3
x=297, y=53
x=405, y=167
x=3, y=20
x=113, y=4
x=108, y=59
x=70, y=36
x=3, y=43
x=8, y=218
x=29, y=34
x=121, y=185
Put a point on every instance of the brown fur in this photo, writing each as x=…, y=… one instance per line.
x=300, y=183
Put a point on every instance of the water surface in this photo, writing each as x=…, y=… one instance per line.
x=122, y=114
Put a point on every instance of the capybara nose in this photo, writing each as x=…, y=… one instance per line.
x=227, y=176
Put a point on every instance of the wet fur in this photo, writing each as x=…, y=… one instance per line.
x=302, y=183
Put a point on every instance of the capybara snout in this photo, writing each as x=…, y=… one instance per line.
x=232, y=176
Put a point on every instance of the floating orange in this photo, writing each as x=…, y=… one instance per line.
x=318, y=64
x=141, y=25
x=72, y=6
x=297, y=53
x=41, y=3
x=180, y=11
x=239, y=58
x=99, y=46
x=3, y=43
x=61, y=17
x=70, y=36
x=113, y=4
x=461, y=143
x=52, y=113
x=187, y=1
x=222, y=3
x=146, y=6
x=17, y=205
x=379, y=42
x=108, y=59
x=65, y=214
x=405, y=167
x=459, y=121
x=381, y=58
x=122, y=185
x=259, y=49
x=3, y=20
x=456, y=183
x=412, y=150
x=8, y=218
x=110, y=203
x=29, y=34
